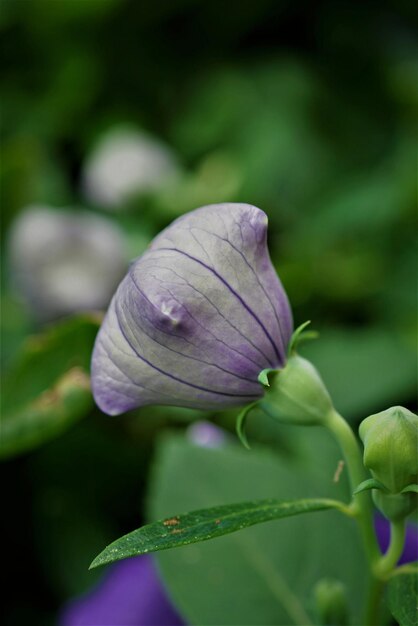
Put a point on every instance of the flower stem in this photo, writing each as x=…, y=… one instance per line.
x=374, y=599
x=390, y=559
x=361, y=507
x=382, y=568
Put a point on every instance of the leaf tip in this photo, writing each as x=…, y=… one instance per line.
x=95, y=563
x=101, y=559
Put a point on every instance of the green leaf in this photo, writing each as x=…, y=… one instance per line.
x=403, y=598
x=48, y=387
x=181, y=530
x=277, y=565
x=48, y=415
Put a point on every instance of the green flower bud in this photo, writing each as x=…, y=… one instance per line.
x=295, y=394
x=391, y=447
x=331, y=602
x=390, y=441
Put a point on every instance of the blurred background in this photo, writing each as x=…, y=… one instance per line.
x=117, y=117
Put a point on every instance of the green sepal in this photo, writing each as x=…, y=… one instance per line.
x=240, y=425
x=263, y=376
x=410, y=489
x=395, y=506
x=300, y=335
x=370, y=483
x=297, y=395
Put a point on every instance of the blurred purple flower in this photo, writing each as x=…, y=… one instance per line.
x=206, y=435
x=197, y=317
x=410, y=552
x=131, y=594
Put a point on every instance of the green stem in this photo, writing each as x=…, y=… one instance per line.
x=361, y=506
x=397, y=541
x=382, y=568
x=374, y=600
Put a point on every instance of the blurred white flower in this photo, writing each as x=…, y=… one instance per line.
x=65, y=261
x=126, y=162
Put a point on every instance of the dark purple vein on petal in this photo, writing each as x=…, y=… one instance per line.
x=244, y=258
x=232, y=290
x=130, y=379
x=183, y=382
x=186, y=356
x=247, y=339
x=203, y=295
x=279, y=323
x=244, y=356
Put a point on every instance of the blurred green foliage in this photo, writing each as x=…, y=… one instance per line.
x=405, y=613
x=270, y=562
x=48, y=387
x=307, y=110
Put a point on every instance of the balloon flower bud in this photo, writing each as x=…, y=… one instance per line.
x=391, y=453
x=331, y=602
x=197, y=317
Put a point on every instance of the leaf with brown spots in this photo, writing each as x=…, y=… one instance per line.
x=206, y=524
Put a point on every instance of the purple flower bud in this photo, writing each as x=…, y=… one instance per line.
x=197, y=317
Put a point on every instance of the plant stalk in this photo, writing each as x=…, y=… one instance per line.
x=361, y=507
x=397, y=541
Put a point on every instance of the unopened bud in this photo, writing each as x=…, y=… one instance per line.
x=391, y=454
x=331, y=602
